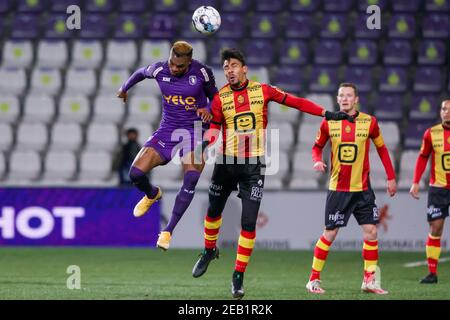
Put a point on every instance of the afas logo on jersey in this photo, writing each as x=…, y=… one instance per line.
x=180, y=100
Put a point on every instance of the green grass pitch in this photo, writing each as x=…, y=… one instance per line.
x=139, y=273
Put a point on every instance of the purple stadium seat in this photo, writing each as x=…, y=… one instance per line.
x=161, y=26
x=363, y=4
x=216, y=47
x=363, y=52
x=362, y=32
x=431, y=52
x=412, y=6
x=334, y=26
x=324, y=80
x=361, y=76
x=288, y=78
x=173, y=6
x=236, y=6
x=389, y=107
x=424, y=106
x=429, y=79
x=397, y=52
x=264, y=26
x=5, y=6
x=338, y=5
x=61, y=5
x=437, y=6
x=103, y=6
x=414, y=133
x=135, y=6
x=25, y=26
x=294, y=52
x=55, y=27
x=128, y=27
x=301, y=26
x=194, y=4
x=364, y=102
x=436, y=26
x=393, y=80
x=253, y=50
x=304, y=6
x=26, y=6
x=94, y=26
x=402, y=26
x=233, y=26
x=270, y=5
x=328, y=52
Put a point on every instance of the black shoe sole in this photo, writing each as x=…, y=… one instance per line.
x=199, y=275
x=238, y=296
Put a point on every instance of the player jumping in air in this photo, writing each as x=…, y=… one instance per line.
x=240, y=109
x=436, y=143
x=186, y=85
x=349, y=188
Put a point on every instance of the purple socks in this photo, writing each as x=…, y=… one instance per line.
x=140, y=180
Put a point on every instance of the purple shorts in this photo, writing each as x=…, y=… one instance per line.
x=167, y=141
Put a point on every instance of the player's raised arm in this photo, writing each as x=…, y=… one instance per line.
x=210, y=89
x=139, y=75
x=321, y=140
x=421, y=163
x=377, y=138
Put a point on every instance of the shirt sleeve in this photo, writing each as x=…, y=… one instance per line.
x=422, y=159
x=322, y=137
x=209, y=84
x=216, y=123
x=139, y=75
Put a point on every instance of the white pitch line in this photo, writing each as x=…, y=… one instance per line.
x=423, y=263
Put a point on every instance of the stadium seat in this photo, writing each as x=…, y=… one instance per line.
x=128, y=27
x=17, y=53
x=74, y=108
x=66, y=136
x=94, y=166
x=80, y=81
x=364, y=102
x=393, y=80
x=362, y=32
x=304, y=6
x=436, y=26
x=429, y=79
x=437, y=6
x=24, y=166
x=328, y=52
x=102, y=137
x=52, y=54
x=431, y=52
x=378, y=178
x=414, y=133
x=362, y=76
x=364, y=4
x=301, y=26
x=111, y=79
x=59, y=166
x=60, y=6
x=199, y=50
x=424, y=106
x=46, y=80
x=35, y=7
x=389, y=107
x=277, y=164
x=154, y=51
x=161, y=26
x=95, y=27
x=324, y=80
x=95, y=6
x=306, y=135
x=121, y=53
x=6, y=136
x=38, y=108
x=55, y=27
x=270, y=6
x=9, y=108
x=2, y=166
x=334, y=26
x=410, y=6
x=324, y=100
x=5, y=6
x=216, y=48
x=136, y=6
x=31, y=136
x=303, y=175
x=12, y=81
x=87, y=54
x=391, y=134
x=144, y=109
x=407, y=165
x=25, y=27
x=284, y=131
x=108, y=108
x=219, y=76
x=288, y=78
x=402, y=26
x=172, y=6
x=363, y=52
x=145, y=130
x=232, y=26
x=338, y=5
x=265, y=25
x=397, y=53
x=235, y=6
x=294, y=53
x=259, y=74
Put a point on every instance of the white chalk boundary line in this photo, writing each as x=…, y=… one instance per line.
x=423, y=263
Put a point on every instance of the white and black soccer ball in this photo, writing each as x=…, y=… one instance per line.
x=206, y=20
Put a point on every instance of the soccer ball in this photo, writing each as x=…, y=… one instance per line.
x=206, y=20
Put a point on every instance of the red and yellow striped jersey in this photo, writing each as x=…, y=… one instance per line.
x=350, y=145
x=436, y=142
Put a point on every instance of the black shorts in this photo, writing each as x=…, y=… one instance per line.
x=438, y=203
x=340, y=206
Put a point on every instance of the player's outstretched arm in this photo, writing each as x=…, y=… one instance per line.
x=136, y=77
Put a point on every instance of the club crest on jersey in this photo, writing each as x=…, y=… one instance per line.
x=348, y=129
x=192, y=80
x=241, y=98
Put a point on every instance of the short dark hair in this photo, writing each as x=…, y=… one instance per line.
x=131, y=130
x=229, y=53
x=349, y=85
